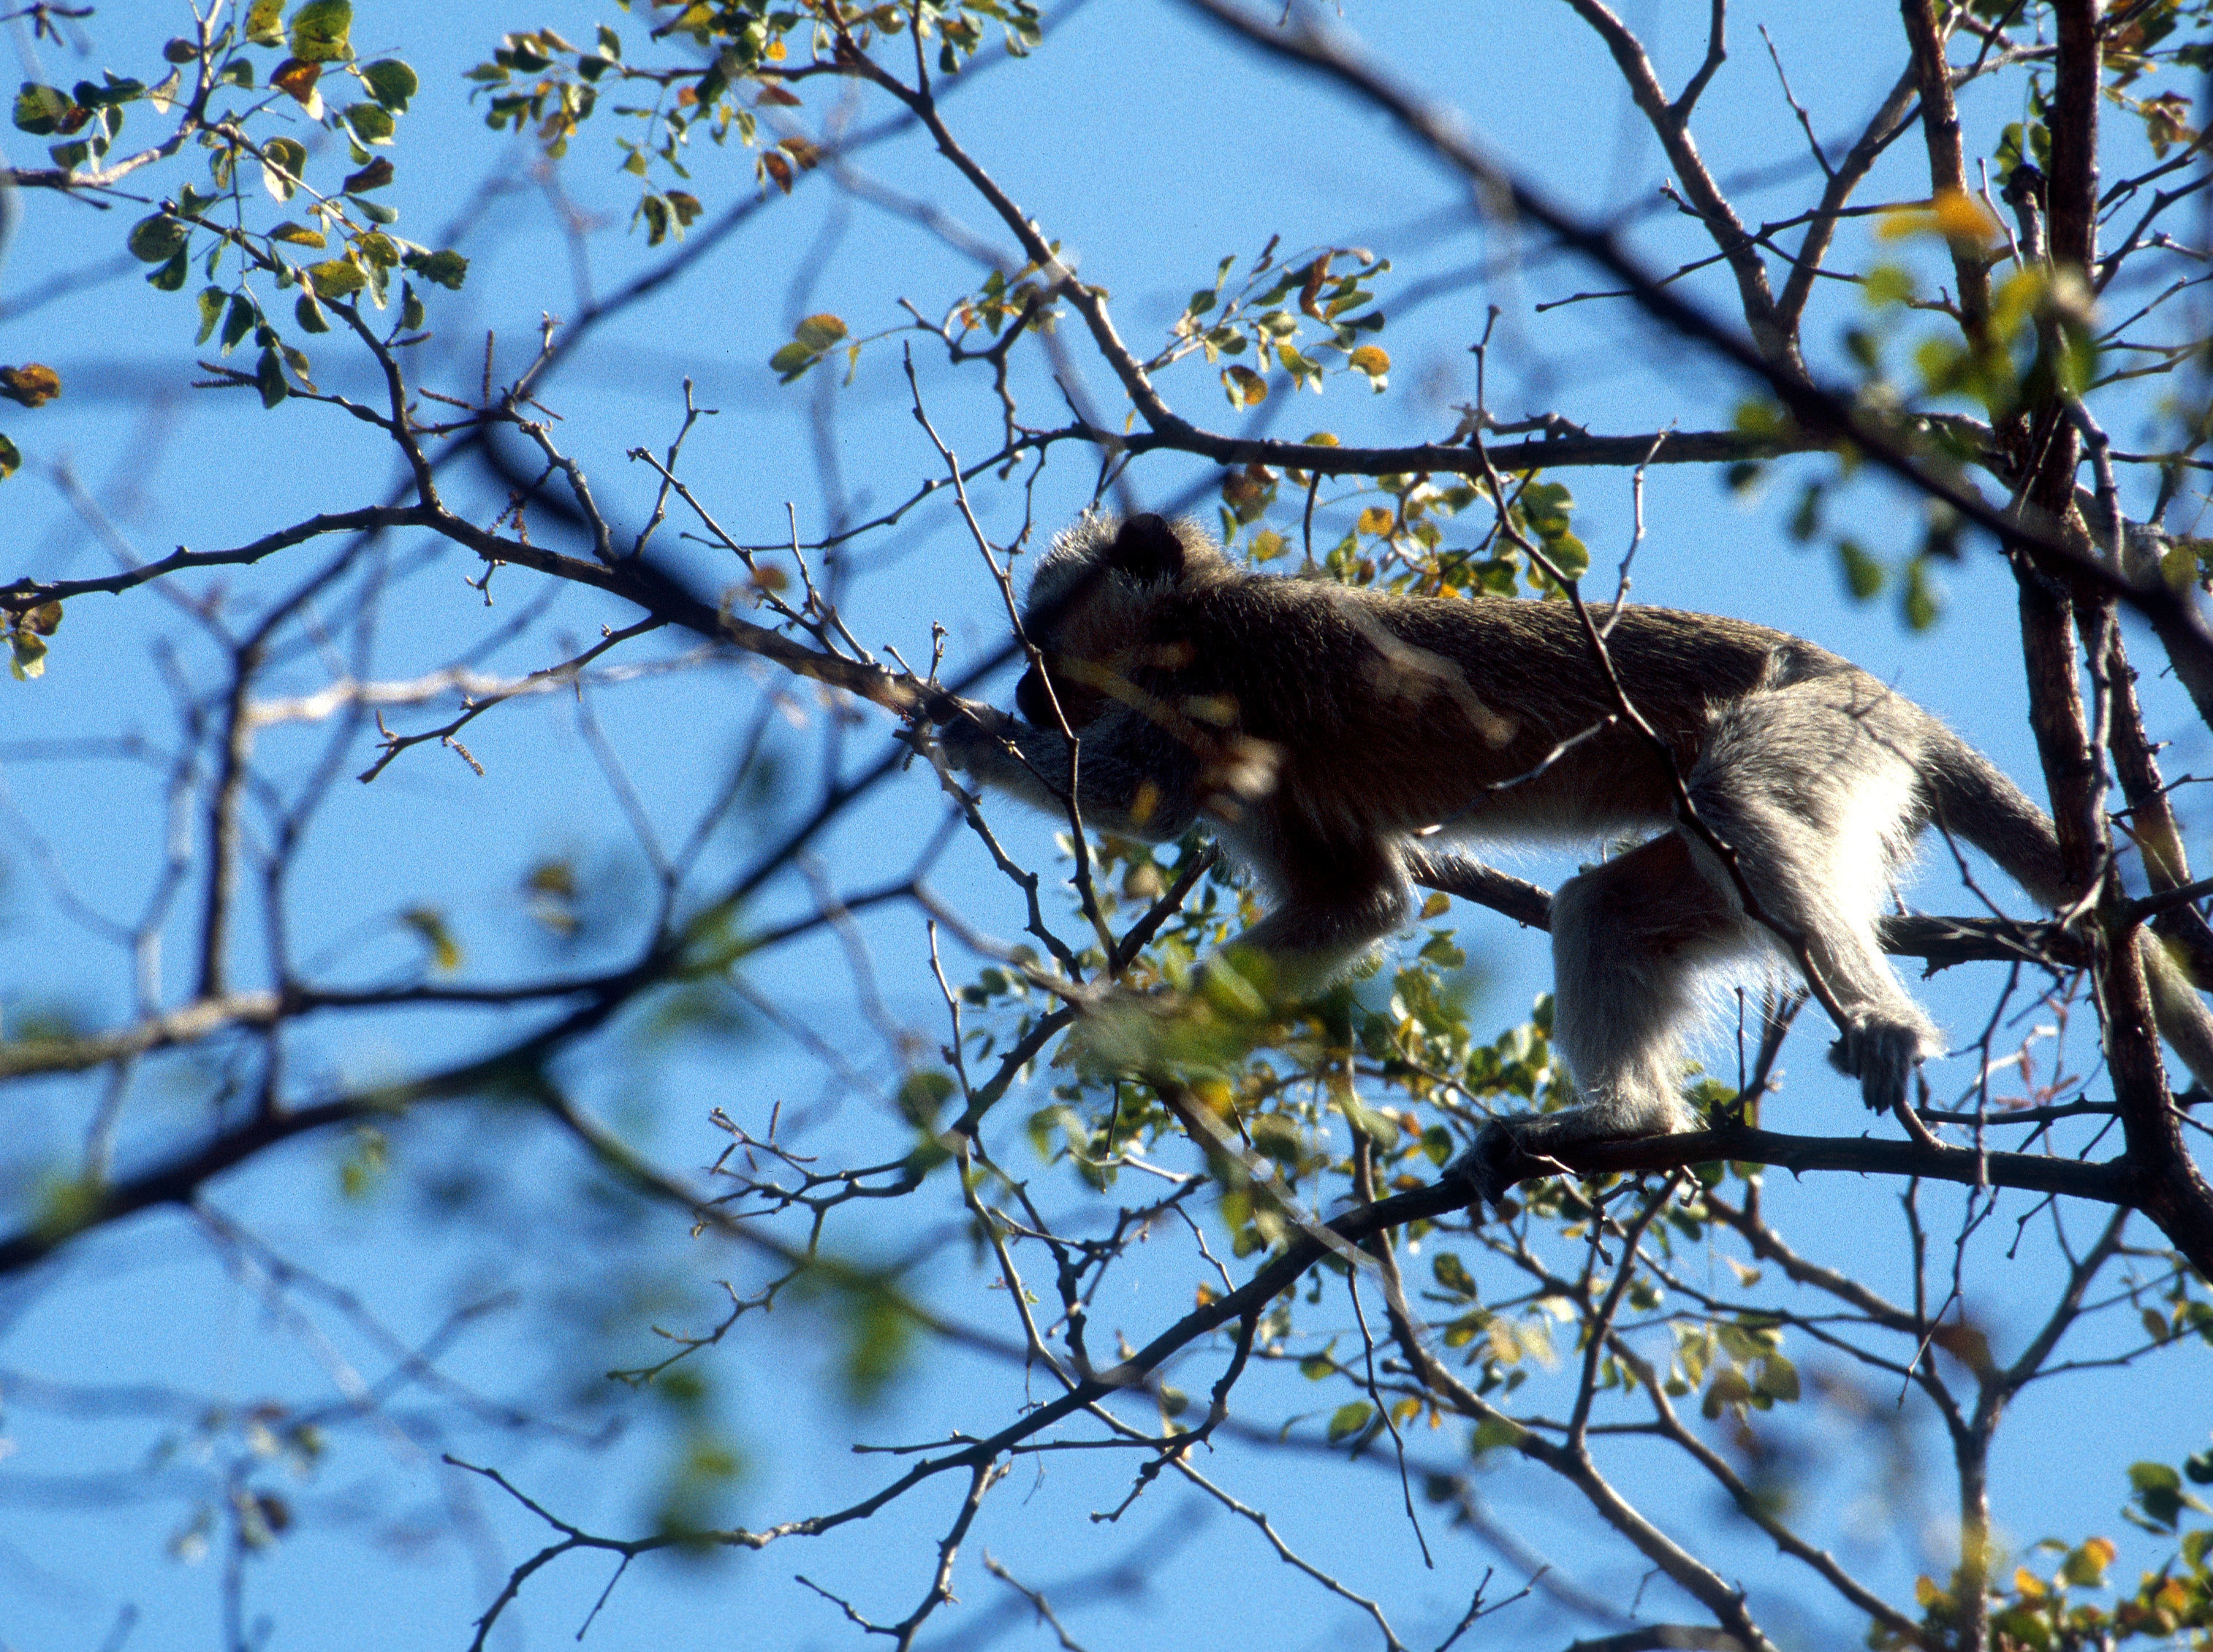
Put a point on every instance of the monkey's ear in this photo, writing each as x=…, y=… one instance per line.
x=1147, y=550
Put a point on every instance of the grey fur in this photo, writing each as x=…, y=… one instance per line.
x=1324, y=732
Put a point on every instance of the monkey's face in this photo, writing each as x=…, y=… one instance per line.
x=1040, y=689
x=1085, y=653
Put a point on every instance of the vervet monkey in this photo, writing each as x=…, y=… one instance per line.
x=1329, y=736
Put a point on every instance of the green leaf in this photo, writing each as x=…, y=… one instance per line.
x=429, y=923
x=372, y=122
x=1777, y=1378
x=922, y=1096
x=318, y=34
x=211, y=303
x=310, y=314
x=239, y=322
x=296, y=234
x=11, y=458
x=1918, y=602
x=1863, y=574
x=28, y=654
x=2085, y=1568
x=1888, y=284
x=819, y=333
x=365, y=1164
x=170, y=277
x=410, y=307
x=1348, y=1420
x=43, y=111
x=391, y=83
x=269, y=375
x=262, y=25
x=447, y=269
x=337, y=277
x=1494, y=1431
x=791, y=361
x=283, y=163
x=1449, y=1271
x=158, y=239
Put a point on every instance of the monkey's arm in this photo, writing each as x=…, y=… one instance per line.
x=1131, y=777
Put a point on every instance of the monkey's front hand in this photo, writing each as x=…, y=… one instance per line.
x=1881, y=1052
x=972, y=734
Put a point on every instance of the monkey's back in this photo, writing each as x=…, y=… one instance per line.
x=1399, y=712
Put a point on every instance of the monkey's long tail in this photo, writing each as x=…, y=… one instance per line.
x=1974, y=800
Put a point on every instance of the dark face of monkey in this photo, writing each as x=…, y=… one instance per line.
x=1092, y=601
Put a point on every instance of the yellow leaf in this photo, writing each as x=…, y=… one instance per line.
x=1964, y=218
x=1376, y=520
x=34, y=384
x=1954, y=214
x=297, y=80
x=1244, y=387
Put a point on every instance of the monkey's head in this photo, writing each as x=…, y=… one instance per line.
x=1090, y=601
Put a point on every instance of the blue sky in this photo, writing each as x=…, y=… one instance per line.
x=1152, y=148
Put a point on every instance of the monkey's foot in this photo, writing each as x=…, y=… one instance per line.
x=1498, y=1161
x=1881, y=1052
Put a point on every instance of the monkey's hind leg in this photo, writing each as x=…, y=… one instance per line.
x=1815, y=788
x=1629, y=939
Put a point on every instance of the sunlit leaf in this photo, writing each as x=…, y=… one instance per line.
x=319, y=29
x=429, y=923
x=445, y=269
x=44, y=111
x=391, y=83
x=34, y=384
x=158, y=239
x=283, y=161
x=263, y=21
x=297, y=79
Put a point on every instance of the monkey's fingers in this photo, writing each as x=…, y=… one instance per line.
x=1882, y=1054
